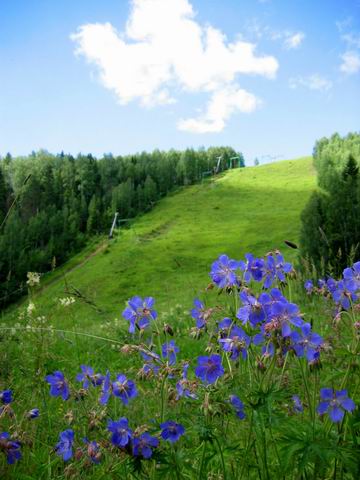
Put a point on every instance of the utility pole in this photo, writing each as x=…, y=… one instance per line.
x=113, y=225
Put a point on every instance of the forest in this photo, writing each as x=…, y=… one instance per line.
x=51, y=204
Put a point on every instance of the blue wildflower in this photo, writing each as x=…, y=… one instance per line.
x=224, y=326
x=171, y=431
x=139, y=313
x=253, y=310
x=121, y=433
x=223, y=272
x=150, y=366
x=253, y=268
x=282, y=315
x=6, y=397
x=143, y=445
x=106, y=389
x=200, y=313
x=58, y=385
x=209, y=369
x=353, y=274
x=306, y=342
x=335, y=404
x=236, y=344
x=169, y=351
x=93, y=451
x=65, y=445
x=344, y=293
x=124, y=389
x=298, y=408
x=10, y=448
x=88, y=376
x=33, y=413
x=238, y=406
x=275, y=268
x=309, y=286
x=184, y=386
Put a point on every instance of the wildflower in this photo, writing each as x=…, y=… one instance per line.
x=344, y=293
x=171, y=431
x=142, y=445
x=184, y=385
x=124, y=389
x=169, y=351
x=223, y=272
x=30, y=308
x=282, y=315
x=106, y=389
x=67, y=301
x=200, y=313
x=308, y=285
x=93, y=451
x=150, y=365
x=298, y=408
x=6, y=397
x=65, y=445
x=209, y=369
x=88, y=376
x=238, y=406
x=33, y=279
x=254, y=310
x=10, y=448
x=33, y=413
x=353, y=273
x=335, y=403
x=237, y=343
x=253, y=268
x=306, y=342
x=139, y=313
x=224, y=326
x=121, y=433
x=58, y=385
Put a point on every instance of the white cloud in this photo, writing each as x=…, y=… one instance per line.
x=350, y=63
x=313, y=82
x=223, y=103
x=164, y=49
x=294, y=41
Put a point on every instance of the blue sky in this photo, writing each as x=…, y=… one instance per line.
x=267, y=77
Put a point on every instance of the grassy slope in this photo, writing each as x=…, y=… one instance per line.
x=167, y=252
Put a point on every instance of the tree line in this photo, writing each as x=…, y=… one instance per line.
x=330, y=235
x=51, y=204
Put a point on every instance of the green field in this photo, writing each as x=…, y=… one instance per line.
x=167, y=253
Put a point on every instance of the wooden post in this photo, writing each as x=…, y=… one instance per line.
x=113, y=225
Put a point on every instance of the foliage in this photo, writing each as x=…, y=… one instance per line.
x=60, y=201
x=330, y=237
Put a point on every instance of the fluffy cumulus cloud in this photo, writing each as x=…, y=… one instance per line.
x=164, y=50
x=312, y=82
x=350, y=63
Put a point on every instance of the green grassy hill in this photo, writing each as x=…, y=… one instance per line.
x=167, y=253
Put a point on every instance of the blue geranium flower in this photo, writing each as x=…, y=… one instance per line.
x=297, y=407
x=93, y=451
x=139, y=313
x=6, y=397
x=223, y=272
x=88, y=376
x=282, y=315
x=306, y=342
x=253, y=268
x=200, y=313
x=58, y=385
x=236, y=344
x=124, y=389
x=184, y=387
x=353, y=274
x=150, y=363
x=335, y=404
x=171, y=431
x=308, y=285
x=143, y=445
x=209, y=369
x=65, y=445
x=253, y=310
x=33, y=413
x=121, y=433
x=169, y=351
x=344, y=293
x=238, y=406
x=11, y=449
x=106, y=389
